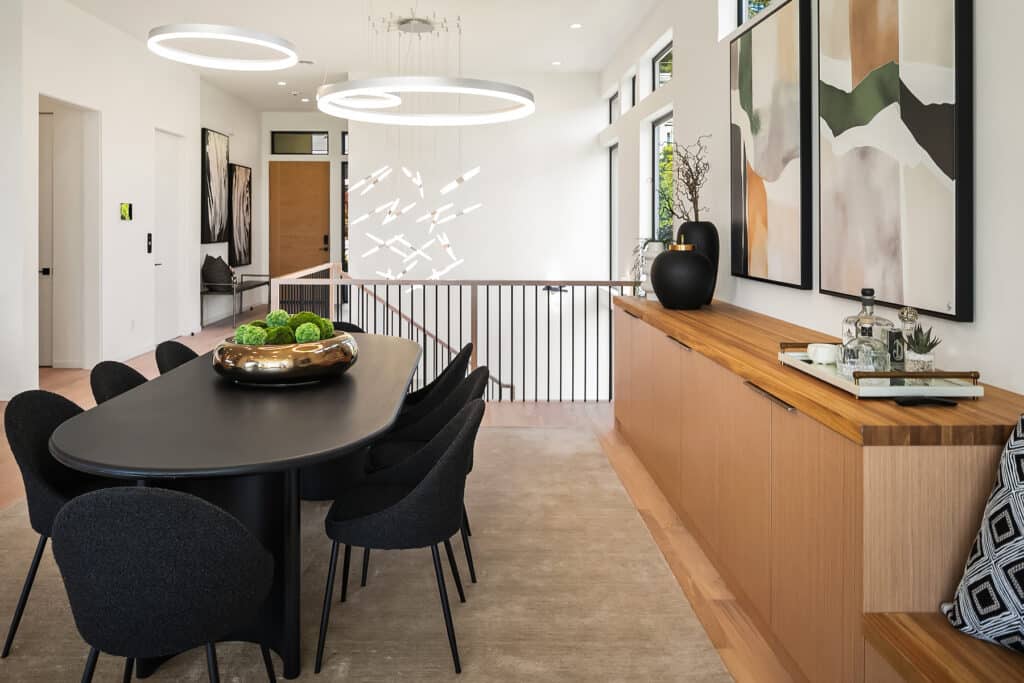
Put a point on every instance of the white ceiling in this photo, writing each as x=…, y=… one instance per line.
x=498, y=36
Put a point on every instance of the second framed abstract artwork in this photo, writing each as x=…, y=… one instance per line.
x=771, y=141
x=240, y=222
x=896, y=126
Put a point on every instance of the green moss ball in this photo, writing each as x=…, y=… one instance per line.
x=262, y=324
x=306, y=333
x=326, y=328
x=302, y=318
x=277, y=336
x=278, y=318
x=250, y=336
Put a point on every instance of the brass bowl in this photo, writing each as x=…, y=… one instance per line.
x=287, y=363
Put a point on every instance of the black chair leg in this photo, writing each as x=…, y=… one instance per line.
x=268, y=663
x=211, y=663
x=446, y=608
x=25, y=590
x=366, y=566
x=344, y=572
x=455, y=569
x=325, y=616
x=129, y=669
x=469, y=551
x=90, y=665
x=465, y=520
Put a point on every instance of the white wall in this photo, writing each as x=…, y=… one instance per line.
x=19, y=351
x=72, y=56
x=305, y=121
x=699, y=96
x=52, y=48
x=235, y=118
x=543, y=185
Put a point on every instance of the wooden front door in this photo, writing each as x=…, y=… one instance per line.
x=300, y=215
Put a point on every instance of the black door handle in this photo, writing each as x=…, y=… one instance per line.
x=44, y=271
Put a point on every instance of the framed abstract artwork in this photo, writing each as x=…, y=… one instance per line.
x=240, y=216
x=215, y=200
x=771, y=139
x=896, y=129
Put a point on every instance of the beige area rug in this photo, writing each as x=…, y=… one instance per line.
x=571, y=587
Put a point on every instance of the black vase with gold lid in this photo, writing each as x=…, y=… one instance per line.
x=683, y=279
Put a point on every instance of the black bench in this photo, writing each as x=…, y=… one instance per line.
x=242, y=283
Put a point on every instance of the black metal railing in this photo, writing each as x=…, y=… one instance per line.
x=543, y=341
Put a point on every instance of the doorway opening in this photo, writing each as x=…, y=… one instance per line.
x=69, y=235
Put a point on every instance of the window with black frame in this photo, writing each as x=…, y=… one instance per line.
x=662, y=67
x=614, y=108
x=313, y=143
x=664, y=178
x=633, y=89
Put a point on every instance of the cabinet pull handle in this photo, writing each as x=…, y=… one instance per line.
x=631, y=315
x=686, y=347
x=771, y=397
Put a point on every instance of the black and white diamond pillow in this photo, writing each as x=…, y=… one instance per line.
x=989, y=603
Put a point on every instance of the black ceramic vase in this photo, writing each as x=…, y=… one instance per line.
x=703, y=235
x=682, y=278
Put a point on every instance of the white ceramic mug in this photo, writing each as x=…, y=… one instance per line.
x=823, y=354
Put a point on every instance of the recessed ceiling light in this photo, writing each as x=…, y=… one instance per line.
x=556, y=64
x=282, y=83
x=305, y=99
x=575, y=26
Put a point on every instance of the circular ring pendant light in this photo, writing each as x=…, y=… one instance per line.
x=162, y=34
x=346, y=100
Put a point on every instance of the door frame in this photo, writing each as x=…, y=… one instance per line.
x=91, y=334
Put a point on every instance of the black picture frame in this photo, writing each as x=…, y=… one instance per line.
x=215, y=195
x=964, y=159
x=240, y=216
x=738, y=227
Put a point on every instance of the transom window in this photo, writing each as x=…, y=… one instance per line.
x=663, y=67
x=614, y=108
x=294, y=142
x=664, y=179
x=751, y=8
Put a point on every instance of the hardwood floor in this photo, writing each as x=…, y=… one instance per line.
x=743, y=650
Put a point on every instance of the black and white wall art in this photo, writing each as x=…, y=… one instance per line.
x=215, y=199
x=896, y=129
x=240, y=231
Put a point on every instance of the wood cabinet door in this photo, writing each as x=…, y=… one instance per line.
x=744, y=492
x=667, y=410
x=702, y=390
x=811, y=509
x=641, y=403
x=622, y=369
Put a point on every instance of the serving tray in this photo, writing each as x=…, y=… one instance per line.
x=885, y=384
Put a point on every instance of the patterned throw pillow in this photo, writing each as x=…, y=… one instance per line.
x=217, y=274
x=989, y=602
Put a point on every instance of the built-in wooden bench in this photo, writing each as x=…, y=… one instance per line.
x=924, y=647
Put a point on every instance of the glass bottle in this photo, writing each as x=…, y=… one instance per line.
x=883, y=328
x=908, y=322
x=865, y=353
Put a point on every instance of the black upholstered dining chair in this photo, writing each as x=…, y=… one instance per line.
x=419, y=504
x=110, y=379
x=402, y=442
x=31, y=417
x=151, y=573
x=171, y=354
x=351, y=328
x=418, y=403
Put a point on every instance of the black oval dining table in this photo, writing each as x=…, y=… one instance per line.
x=241, y=447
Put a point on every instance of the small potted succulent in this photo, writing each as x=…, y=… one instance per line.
x=921, y=350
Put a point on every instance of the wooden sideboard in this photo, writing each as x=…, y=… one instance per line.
x=814, y=506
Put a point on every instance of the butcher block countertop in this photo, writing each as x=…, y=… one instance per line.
x=747, y=343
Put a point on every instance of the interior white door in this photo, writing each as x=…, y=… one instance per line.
x=46, y=240
x=167, y=227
